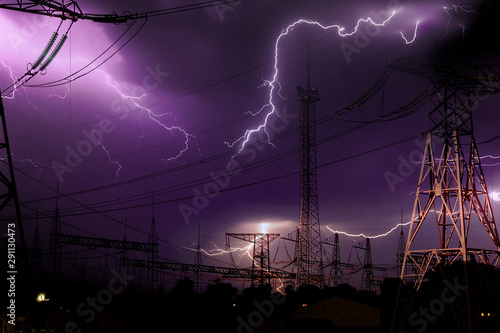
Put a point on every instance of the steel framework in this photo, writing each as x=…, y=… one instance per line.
x=368, y=278
x=198, y=282
x=451, y=192
x=260, y=257
x=308, y=257
x=400, y=255
x=153, y=256
x=336, y=276
x=226, y=272
x=66, y=10
x=58, y=240
x=8, y=188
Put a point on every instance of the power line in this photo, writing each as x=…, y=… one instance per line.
x=94, y=211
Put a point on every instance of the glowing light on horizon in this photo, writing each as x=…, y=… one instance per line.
x=495, y=196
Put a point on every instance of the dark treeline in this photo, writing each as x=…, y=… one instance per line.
x=440, y=306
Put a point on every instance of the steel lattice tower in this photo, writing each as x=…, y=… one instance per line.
x=8, y=188
x=336, y=276
x=36, y=255
x=368, y=280
x=401, y=248
x=401, y=252
x=124, y=255
x=260, y=258
x=198, y=282
x=451, y=192
x=309, y=263
x=55, y=247
x=153, y=256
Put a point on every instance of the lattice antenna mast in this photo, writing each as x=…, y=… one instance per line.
x=309, y=263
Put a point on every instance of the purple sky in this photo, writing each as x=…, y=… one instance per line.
x=202, y=70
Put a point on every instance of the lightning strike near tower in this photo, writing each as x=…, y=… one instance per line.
x=274, y=82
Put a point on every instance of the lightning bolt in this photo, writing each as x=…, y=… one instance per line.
x=216, y=251
x=414, y=35
x=119, y=166
x=273, y=83
x=15, y=85
x=12, y=77
x=365, y=236
x=135, y=101
x=456, y=8
x=33, y=163
x=385, y=233
x=492, y=157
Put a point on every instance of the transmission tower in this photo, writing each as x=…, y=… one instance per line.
x=8, y=188
x=368, y=279
x=260, y=258
x=308, y=259
x=336, y=276
x=36, y=255
x=153, y=256
x=197, y=261
x=401, y=248
x=451, y=192
x=124, y=254
x=55, y=246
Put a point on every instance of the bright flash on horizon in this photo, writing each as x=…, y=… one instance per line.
x=495, y=196
x=264, y=228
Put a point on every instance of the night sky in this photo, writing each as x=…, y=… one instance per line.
x=193, y=77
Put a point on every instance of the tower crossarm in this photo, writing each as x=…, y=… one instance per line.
x=64, y=10
x=228, y=272
x=455, y=72
x=106, y=243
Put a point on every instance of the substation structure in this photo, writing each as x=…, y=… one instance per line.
x=260, y=257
